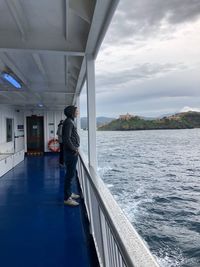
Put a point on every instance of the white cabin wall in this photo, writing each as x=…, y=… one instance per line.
x=53, y=119
x=17, y=116
x=51, y=131
x=19, y=130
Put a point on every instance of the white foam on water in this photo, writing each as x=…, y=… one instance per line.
x=168, y=262
x=130, y=207
x=103, y=170
x=109, y=185
x=169, y=258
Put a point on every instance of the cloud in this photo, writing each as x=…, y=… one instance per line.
x=185, y=109
x=161, y=95
x=139, y=72
x=135, y=20
x=149, y=62
x=171, y=85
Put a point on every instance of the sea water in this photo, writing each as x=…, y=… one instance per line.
x=155, y=178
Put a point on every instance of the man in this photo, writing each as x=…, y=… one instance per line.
x=71, y=143
x=59, y=134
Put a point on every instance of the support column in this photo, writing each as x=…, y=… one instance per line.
x=91, y=111
x=78, y=120
x=54, y=120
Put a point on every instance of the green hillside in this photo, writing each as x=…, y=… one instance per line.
x=185, y=120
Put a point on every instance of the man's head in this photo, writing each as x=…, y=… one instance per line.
x=71, y=112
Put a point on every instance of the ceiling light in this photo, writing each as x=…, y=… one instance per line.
x=11, y=79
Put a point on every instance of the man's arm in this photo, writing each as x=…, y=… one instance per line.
x=66, y=134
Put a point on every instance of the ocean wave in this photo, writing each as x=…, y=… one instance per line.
x=161, y=199
x=103, y=170
x=158, y=189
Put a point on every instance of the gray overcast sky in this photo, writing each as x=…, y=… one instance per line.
x=149, y=63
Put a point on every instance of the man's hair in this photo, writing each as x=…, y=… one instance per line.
x=70, y=111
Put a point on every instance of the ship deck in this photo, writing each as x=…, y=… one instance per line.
x=36, y=229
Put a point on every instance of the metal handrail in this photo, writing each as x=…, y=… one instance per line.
x=130, y=245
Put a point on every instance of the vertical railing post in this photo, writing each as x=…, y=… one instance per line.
x=91, y=110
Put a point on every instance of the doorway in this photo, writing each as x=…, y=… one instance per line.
x=35, y=134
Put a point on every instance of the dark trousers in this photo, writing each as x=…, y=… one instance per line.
x=70, y=163
x=61, y=154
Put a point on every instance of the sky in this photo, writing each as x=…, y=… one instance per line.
x=149, y=62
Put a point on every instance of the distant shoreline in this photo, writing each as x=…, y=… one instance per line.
x=184, y=120
x=146, y=129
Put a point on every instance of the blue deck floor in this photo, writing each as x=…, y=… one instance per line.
x=36, y=229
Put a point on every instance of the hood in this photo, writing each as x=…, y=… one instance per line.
x=70, y=111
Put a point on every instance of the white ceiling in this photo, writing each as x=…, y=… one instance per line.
x=44, y=43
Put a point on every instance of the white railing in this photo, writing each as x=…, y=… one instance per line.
x=117, y=242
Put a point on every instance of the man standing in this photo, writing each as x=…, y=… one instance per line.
x=71, y=143
x=59, y=134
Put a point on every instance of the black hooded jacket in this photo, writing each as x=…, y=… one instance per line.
x=71, y=140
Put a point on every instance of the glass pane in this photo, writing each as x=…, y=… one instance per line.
x=9, y=130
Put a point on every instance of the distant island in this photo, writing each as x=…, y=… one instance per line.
x=128, y=122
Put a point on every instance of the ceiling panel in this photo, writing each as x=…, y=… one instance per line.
x=44, y=43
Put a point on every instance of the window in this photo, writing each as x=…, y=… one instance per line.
x=9, y=130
